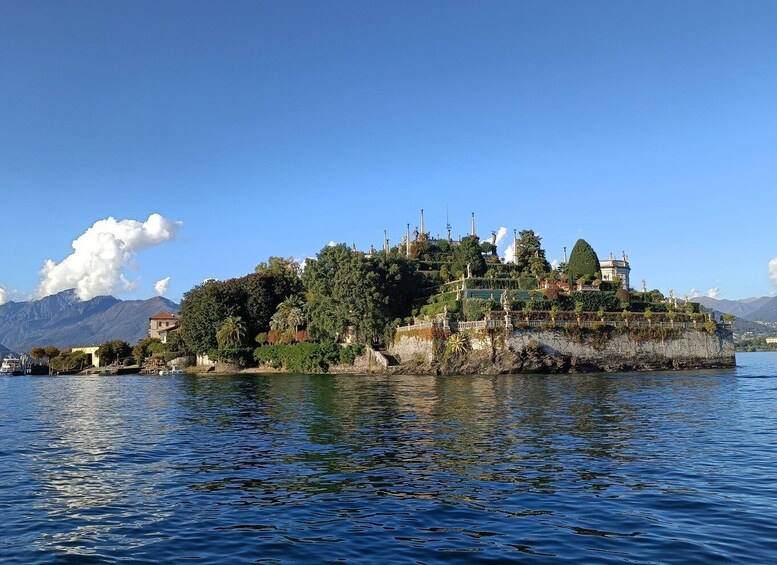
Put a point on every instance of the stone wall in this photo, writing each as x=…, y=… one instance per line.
x=412, y=348
x=558, y=351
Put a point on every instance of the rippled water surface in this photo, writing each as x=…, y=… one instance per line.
x=669, y=467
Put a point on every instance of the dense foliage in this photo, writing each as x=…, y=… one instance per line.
x=146, y=348
x=112, y=351
x=583, y=262
x=253, y=298
x=529, y=256
x=307, y=357
x=468, y=252
x=349, y=292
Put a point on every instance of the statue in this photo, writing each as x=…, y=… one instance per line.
x=503, y=300
x=469, y=270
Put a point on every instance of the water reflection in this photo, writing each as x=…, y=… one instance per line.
x=591, y=467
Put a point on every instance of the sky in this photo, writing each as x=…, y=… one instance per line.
x=146, y=146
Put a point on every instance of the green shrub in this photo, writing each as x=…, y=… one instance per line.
x=307, y=357
x=240, y=356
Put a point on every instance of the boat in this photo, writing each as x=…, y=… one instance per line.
x=170, y=372
x=11, y=366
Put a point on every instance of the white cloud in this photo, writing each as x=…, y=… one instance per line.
x=161, y=286
x=509, y=252
x=331, y=244
x=713, y=292
x=694, y=293
x=4, y=295
x=554, y=264
x=500, y=235
x=772, y=269
x=101, y=254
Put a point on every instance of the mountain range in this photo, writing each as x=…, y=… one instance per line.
x=64, y=321
x=755, y=316
x=763, y=309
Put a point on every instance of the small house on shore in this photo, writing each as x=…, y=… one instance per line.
x=160, y=324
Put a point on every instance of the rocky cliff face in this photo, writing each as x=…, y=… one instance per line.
x=555, y=351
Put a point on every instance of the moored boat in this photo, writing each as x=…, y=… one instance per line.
x=11, y=366
x=169, y=372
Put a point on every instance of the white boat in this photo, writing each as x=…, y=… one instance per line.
x=11, y=366
x=169, y=372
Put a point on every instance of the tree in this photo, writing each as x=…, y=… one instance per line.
x=583, y=262
x=578, y=311
x=289, y=316
x=37, y=353
x=346, y=290
x=254, y=298
x=143, y=349
x=231, y=333
x=278, y=267
x=113, y=350
x=51, y=351
x=529, y=255
x=468, y=253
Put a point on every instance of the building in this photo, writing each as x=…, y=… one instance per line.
x=91, y=354
x=165, y=332
x=159, y=323
x=771, y=340
x=612, y=268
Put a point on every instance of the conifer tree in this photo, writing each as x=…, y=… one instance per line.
x=583, y=262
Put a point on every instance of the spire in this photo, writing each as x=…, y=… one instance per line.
x=515, y=246
x=423, y=228
x=565, y=255
x=385, y=242
x=407, y=241
x=473, y=224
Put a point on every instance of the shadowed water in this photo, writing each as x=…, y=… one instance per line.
x=641, y=468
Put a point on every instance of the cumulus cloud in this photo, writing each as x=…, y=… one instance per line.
x=161, y=286
x=500, y=235
x=772, y=269
x=4, y=295
x=713, y=292
x=554, y=264
x=694, y=293
x=101, y=254
x=509, y=252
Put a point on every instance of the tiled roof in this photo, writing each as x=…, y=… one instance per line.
x=164, y=316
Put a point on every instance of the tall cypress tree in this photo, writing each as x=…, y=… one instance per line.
x=583, y=262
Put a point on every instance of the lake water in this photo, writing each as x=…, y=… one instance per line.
x=639, y=468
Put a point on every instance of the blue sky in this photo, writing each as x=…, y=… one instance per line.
x=271, y=128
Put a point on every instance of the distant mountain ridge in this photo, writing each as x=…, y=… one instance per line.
x=63, y=320
x=763, y=309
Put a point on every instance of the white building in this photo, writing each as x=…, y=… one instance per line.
x=613, y=267
x=771, y=340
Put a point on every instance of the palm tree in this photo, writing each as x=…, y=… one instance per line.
x=231, y=332
x=578, y=311
x=289, y=314
x=553, y=313
x=527, y=310
x=458, y=343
